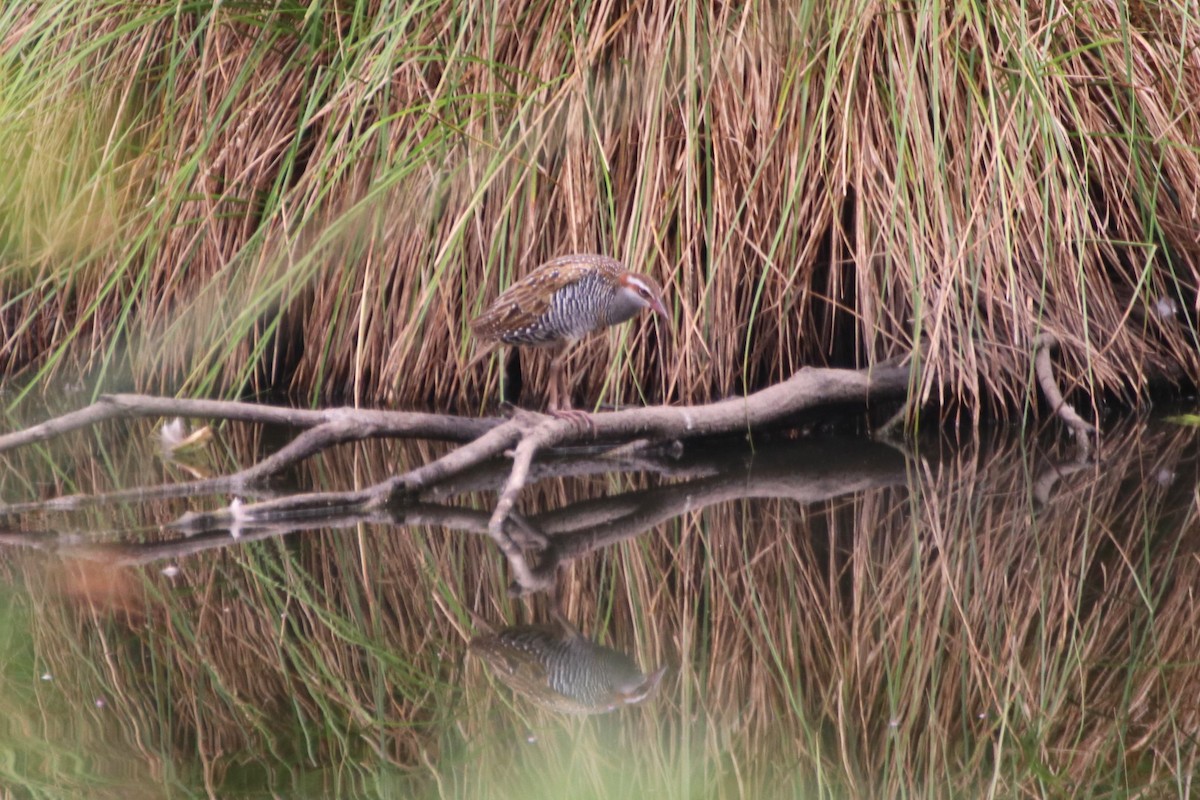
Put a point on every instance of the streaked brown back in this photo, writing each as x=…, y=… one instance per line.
x=523, y=305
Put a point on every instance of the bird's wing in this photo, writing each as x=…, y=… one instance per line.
x=527, y=300
x=523, y=671
x=520, y=306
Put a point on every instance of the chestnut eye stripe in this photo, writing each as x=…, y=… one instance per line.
x=638, y=284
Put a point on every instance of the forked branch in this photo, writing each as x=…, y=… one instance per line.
x=527, y=434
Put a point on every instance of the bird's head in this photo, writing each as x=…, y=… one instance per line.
x=642, y=687
x=641, y=291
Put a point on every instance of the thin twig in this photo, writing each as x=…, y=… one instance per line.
x=1083, y=430
x=446, y=427
x=330, y=427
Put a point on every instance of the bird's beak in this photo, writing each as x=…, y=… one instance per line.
x=658, y=308
x=661, y=311
x=636, y=694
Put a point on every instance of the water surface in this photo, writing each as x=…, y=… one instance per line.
x=837, y=617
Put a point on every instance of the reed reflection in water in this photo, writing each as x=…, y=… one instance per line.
x=838, y=617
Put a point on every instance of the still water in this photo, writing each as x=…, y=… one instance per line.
x=824, y=617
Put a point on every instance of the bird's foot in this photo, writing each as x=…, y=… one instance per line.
x=577, y=417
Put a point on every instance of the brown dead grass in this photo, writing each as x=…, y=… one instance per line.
x=326, y=211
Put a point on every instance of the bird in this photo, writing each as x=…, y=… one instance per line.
x=561, y=302
x=560, y=669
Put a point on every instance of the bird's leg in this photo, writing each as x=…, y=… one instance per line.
x=559, y=405
x=556, y=362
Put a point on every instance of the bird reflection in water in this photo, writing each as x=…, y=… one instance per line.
x=560, y=669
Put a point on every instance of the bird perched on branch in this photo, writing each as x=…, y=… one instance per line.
x=561, y=302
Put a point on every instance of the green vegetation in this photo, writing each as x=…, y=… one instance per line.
x=315, y=197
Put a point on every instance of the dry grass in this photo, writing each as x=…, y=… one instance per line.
x=951, y=637
x=318, y=198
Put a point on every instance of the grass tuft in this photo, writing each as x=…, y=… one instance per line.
x=316, y=198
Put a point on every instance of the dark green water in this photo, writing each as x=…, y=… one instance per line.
x=836, y=617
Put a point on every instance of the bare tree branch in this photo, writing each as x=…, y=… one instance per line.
x=351, y=423
x=530, y=433
x=1083, y=430
x=527, y=434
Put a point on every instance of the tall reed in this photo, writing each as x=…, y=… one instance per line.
x=316, y=197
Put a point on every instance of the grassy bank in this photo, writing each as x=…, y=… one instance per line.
x=316, y=197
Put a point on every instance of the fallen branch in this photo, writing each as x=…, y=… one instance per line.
x=325, y=429
x=348, y=423
x=527, y=435
x=1083, y=430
